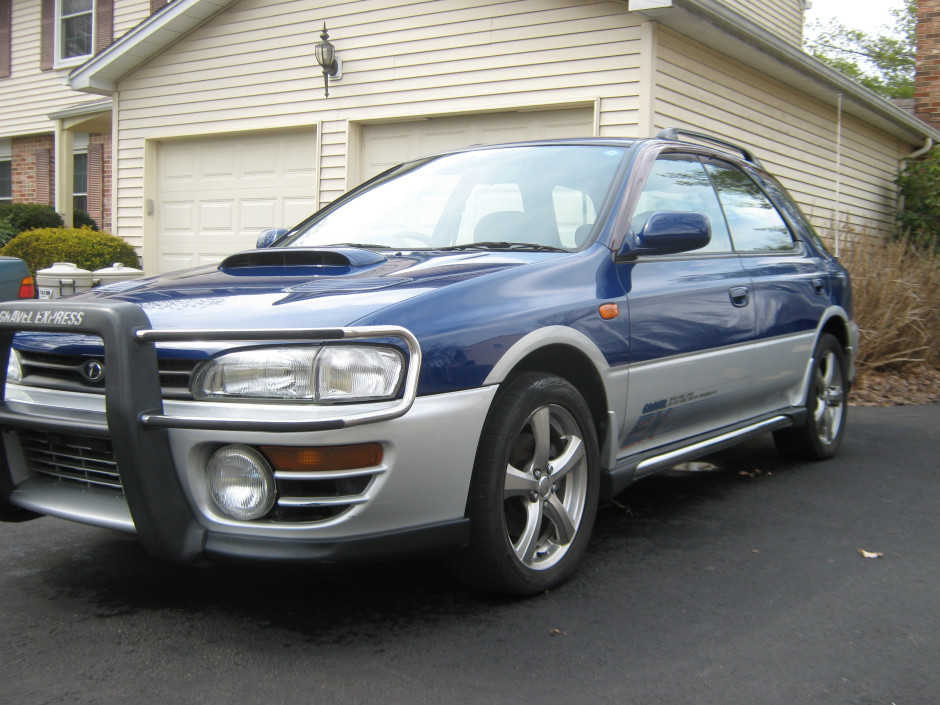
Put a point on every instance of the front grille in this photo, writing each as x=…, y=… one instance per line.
x=71, y=372
x=71, y=458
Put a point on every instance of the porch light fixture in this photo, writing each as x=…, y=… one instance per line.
x=331, y=64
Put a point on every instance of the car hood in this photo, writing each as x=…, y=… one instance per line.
x=296, y=288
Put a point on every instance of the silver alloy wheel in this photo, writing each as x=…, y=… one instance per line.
x=546, y=487
x=830, y=398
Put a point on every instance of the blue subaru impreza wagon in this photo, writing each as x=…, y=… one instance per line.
x=463, y=355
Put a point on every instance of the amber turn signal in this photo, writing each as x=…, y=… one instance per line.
x=609, y=311
x=352, y=457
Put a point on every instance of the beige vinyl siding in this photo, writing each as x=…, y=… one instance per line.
x=251, y=68
x=29, y=95
x=782, y=17
x=793, y=135
x=128, y=14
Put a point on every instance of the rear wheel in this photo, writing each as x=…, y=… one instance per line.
x=819, y=438
x=533, y=495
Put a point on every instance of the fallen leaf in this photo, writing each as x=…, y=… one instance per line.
x=869, y=554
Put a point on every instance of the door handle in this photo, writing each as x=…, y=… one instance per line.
x=819, y=285
x=739, y=295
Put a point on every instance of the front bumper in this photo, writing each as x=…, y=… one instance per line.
x=414, y=502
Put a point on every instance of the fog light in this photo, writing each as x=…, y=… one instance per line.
x=241, y=482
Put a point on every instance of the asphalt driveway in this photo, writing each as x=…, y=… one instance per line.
x=743, y=584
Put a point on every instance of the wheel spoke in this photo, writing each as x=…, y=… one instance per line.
x=556, y=513
x=527, y=542
x=569, y=458
x=542, y=434
x=519, y=483
x=829, y=363
x=825, y=425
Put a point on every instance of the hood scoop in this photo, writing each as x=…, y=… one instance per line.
x=339, y=258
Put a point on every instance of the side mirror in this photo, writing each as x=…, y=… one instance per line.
x=269, y=237
x=668, y=233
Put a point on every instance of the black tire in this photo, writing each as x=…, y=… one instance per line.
x=826, y=406
x=533, y=493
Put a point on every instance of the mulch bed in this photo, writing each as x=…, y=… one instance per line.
x=912, y=385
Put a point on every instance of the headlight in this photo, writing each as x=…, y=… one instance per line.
x=14, y=371
x=346, y=373
x=330, y=373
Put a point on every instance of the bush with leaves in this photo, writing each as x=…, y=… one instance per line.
x=19, y=217
x=919, y=183
x=85, y=247
x=80, y=219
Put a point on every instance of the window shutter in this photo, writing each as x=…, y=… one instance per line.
x=156, y=5
x=5, y=48
x=47, y=52
x=96, y=183
x=104, y=24
x=43, y=158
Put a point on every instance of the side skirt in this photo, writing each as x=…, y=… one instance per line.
x=632, y=468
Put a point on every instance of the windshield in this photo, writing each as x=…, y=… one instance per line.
x=543, y=197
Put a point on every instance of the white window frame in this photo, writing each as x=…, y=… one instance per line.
x=61, y=61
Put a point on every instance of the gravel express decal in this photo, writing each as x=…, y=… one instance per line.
x=43, y=318
x=656, y=413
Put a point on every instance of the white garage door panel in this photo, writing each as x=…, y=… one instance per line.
x=216, y=195
x=386, y=144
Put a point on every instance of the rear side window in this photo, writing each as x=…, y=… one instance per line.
x=755, y=224
x=679, y=183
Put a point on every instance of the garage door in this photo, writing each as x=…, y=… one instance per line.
x=216, y=195
x=387, y=144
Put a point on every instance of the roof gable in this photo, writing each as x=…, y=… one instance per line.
x=711, y=22
x=147, y=40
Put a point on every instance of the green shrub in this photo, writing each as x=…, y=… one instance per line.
x=80, y=219
x=87, y=248
x=919, y=183
x=19, y=217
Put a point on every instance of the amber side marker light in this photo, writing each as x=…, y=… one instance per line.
x=353, y=457
x=27, y=288
x=609, y=311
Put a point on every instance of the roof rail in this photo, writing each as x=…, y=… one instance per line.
x=672, y=133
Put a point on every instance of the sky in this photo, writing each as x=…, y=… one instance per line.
x=866, y=15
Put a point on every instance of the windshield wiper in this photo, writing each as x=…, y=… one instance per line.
x=519, y=246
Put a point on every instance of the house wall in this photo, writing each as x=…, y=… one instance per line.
x=782, y=17
x=240, y=72
x=29, y=94
x=793, y=135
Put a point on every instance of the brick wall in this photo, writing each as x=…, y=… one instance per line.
x=927, y=82
x=33, y=169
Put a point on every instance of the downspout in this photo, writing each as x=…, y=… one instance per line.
x=838, y=208
x=928, y=145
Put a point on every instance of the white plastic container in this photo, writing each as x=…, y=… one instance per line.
x=62, y=279
x=117, y=272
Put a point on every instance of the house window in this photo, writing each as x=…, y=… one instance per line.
x=76, y=24
x=80, y=182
